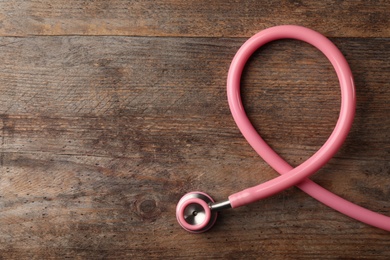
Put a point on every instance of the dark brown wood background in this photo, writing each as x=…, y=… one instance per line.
x=111, y=110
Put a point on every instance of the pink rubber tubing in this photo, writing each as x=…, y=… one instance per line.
x=298, y=176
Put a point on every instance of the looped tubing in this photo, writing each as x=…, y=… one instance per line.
x=298, y=176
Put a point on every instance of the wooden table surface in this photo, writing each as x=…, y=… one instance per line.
x=111, y=110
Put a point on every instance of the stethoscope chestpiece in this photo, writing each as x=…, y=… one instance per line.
x=194, y=214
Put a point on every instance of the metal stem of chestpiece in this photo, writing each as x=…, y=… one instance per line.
x=220, y=206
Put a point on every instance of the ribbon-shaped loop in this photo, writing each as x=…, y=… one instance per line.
x=298, y=176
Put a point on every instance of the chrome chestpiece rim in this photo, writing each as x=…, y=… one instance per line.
x=194, y=214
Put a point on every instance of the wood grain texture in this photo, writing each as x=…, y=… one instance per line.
x=221, y=18
x=101, y=136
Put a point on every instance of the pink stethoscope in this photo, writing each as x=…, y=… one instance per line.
x=197, y=212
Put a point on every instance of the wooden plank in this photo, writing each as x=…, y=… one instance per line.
x=192, y=18
x=101, y=136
